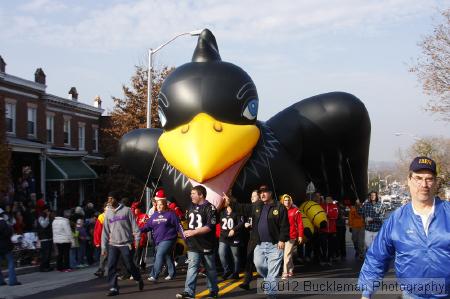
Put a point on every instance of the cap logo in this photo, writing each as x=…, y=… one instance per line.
x=425, y=161
x=275, y=212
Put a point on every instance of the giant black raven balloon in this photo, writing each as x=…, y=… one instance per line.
x=211, y=136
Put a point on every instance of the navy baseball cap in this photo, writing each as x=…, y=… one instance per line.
x=263, y=188
x=423, y=163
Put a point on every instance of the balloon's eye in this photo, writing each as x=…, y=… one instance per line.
x=162, y=117
x=251, y=109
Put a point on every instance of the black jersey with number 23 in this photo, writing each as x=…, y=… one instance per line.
x=199, y=216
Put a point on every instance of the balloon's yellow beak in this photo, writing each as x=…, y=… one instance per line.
x=205, y=147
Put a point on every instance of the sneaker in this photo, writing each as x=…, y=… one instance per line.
x=67, y=270
x=201, y=274
x=168, y=277
x=141, y=285
x=131, y=278
x=151, y=278
x=290, y=274
x=212, y=295
x=184, y=295
x=284, y=276
x=2, y=283
x=113, y=292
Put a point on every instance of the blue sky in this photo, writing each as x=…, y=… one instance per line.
x=291, y=49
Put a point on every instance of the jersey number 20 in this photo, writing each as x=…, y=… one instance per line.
x=227, y=224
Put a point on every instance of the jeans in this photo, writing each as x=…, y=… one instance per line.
x=358, y=239
x=268, y=259
x=164, y=254
x=11, y=269
x=369, y=237
x=73, y=257
x=46, y=254
x=114, y=253
x=226, y=253
x=194, y=259
x=81, y=253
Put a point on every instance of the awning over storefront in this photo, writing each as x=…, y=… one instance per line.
x=68, y=168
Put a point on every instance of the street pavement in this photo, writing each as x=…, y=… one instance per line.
x=83, y=284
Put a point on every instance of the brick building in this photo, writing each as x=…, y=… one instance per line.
x=56, y=138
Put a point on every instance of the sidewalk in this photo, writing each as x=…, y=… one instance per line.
x=36, y=282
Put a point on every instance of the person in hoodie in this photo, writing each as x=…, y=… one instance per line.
x=98, y=229
x=295, y=234
x=63, y=238
x=165, y=227
x=141, y=219
x=120, y=231
x=328, y=239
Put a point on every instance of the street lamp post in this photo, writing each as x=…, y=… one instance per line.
x=150, y=69
x=150, y=86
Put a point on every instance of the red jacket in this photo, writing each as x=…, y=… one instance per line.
x=98, y=228
x=295, y=223
x=141, y=220
x=173, y=206
x=332, y=214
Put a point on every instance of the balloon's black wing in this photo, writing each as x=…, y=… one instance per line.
x=328, y=135
x=137, y=151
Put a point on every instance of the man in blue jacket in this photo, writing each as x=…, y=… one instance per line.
x=417, y=236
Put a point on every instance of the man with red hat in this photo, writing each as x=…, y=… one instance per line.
x=141, y=219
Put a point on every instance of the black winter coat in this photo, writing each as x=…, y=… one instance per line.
x=277, y=219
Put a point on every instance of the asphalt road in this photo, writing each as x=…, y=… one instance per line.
x=84, y=285
x=97, y=288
